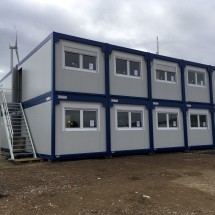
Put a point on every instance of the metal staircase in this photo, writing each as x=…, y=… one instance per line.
x=20, y=143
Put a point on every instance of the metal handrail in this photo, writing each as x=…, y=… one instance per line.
x=5, y=109
x=28, y=130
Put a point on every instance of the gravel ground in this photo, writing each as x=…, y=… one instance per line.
x=162, y=184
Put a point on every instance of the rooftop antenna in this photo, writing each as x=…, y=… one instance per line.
x=157, y=46
x=15, y=47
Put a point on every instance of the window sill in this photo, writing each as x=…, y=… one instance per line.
x=199, y=128
x=168, y=129
x=81, y=129
x=128, y=76
x=130, y=129
x=79, y=69
x=196, y=85
x=166, y=82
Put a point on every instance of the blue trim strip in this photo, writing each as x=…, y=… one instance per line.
x=37, y=100
x=107, y=53
x=210, y=75
x=195, y=64
x=53, y=101
x=60, y=36
x=132, y=152
x=170, y=149
x=129, y=100
x=127, y=50
x=150, y=105
x=74, y=96
x=184, y=112
x=165, y=58
x=34, y=50
x=44, y=156
x=201, y=147
x=198, y=105
x=167, y=103
x=81, y=155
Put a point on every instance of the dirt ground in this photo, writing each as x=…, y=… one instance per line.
x=162, y=184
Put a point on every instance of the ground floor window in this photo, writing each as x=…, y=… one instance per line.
x=198, y=120
x=167, y=119
x=80, y=117
x=129, y=119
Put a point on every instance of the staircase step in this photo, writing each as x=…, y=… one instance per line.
x=27, y=160
x=21, y=140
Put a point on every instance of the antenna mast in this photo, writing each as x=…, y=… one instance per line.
x=157, y=46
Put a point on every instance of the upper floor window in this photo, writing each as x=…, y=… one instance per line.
x=166, y=76
x=167, y=120
x=165, y=71
x=80, y=57
x=128, y=67
x=81, y=61
x=196, y=78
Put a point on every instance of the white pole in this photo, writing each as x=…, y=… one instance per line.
x=157, y=46
x=11, y=58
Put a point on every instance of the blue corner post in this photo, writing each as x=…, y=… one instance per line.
x=184, y=105
x=150, y=105
x=107, y=52
x=53, y=156
x=210, y=75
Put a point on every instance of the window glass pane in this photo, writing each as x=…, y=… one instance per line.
x=121, y=66
x=122, y=119
x=134, y=68
x=72, y=59
x=171, y=76
x=160, y=75
x=89, y=62
x=203, y=120
x=173, y=120
x=200, y=79
x=191, y=77
x=162, y=122
x=194, y=120
x=90, y=119
x=72, y=119
x=136, y=119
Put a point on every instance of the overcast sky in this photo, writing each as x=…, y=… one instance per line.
x=186, y=28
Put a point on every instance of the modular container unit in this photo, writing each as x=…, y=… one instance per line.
x=197, y=84
x=87, y=98
x=36, y=95
x=166, y=80
x=128, y=74
x=79, y=68
x=168, y=128
x=129, y=128
x=200, y=132
x=80, y=128
x=213, y=85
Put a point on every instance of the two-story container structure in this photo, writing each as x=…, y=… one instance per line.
x=87, y=98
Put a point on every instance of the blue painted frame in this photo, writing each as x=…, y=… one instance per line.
x=107, y=98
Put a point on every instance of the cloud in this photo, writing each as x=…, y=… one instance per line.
x=185, y=28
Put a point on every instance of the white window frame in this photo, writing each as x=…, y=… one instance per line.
x=81, y=108
x=81, y=52
x=129, y=110
x=168, y=111
x=196, y=71
x=168, y=64
x=128, y=67
x=198, y=113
